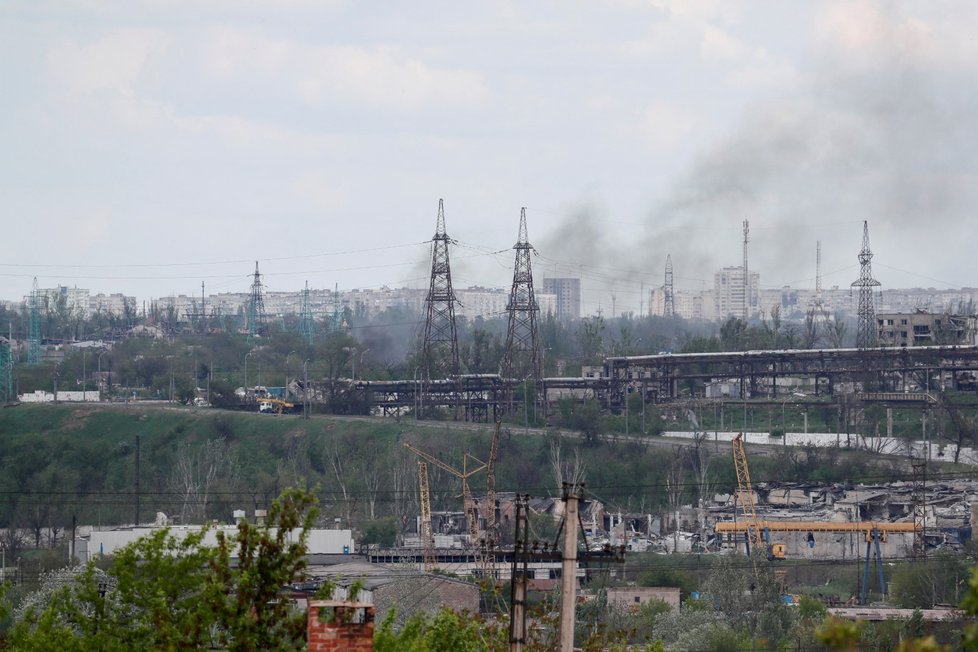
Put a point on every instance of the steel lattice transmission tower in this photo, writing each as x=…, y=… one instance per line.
x=669, y=310
x=439, y=349
x=34, y=326
x=6, y=371
x=866, y=332
x=521, y=358
x=257, y=324
x=307, y=325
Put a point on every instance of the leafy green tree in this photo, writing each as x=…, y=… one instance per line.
x=167, y=592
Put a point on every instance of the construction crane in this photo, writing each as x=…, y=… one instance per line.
x=745, y=496
x=489, y=513
x=427, y=538
x=471, y=513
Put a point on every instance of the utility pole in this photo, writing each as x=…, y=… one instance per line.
x=137, y=482
x=519, y=577
x=568, y=567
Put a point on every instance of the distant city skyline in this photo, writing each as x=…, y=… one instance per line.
x=149, y=146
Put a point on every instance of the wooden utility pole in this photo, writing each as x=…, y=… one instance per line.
x=568, y=567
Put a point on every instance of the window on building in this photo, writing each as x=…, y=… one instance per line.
x=638, y=600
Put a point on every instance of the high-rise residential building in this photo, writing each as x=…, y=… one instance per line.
x=729, y=287
x=73, y=300
x=568, y=294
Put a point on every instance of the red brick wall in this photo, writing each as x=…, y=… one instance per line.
x=334, y=632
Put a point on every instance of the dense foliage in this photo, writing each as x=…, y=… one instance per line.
x=169, y=592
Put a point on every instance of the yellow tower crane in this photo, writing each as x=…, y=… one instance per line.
x=489, y=511
x=427, y=538
x=471, y=513
x=745, y=496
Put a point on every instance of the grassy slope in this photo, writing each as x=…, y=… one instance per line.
x=80, y=460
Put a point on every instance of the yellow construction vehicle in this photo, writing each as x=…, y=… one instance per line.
x=275, y=406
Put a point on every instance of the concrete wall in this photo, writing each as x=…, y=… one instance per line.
x=632, y=597
x=40, y=396
x=106, y=542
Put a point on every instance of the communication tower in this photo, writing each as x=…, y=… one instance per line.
x=867, y=333
x=669, y=310
x=521, y=358
x=439, y=349
x=747, y=303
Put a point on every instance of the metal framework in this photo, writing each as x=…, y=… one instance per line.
x=747, y=302
x=424, y=532
x=867, y=332
x=6, y=371
x=489, y=511
x=919, y=505
x=819, y=311
x=669, y=309
x=336, y=321
x=34, y=326
x=257, y=320
x=468, y=503
x=745, y=493
x=439, y=348
x=896, y=371
x=521, y=359
x=307, y=324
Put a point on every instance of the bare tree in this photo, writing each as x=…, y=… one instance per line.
x=811, y=332
x=572, y=471
x=339, y=453
x=198, y=471
x=836, y=331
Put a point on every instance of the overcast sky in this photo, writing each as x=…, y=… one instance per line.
x=149, y=145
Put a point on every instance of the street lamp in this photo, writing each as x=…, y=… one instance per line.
x=246, y=371
x=99, y=383
x=290, y=353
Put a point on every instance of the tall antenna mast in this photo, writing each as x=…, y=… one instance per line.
x=818, y=304
x=746, y=273
x=669, y=309
x=439, y=350
x=867, y=333
x=521, y=358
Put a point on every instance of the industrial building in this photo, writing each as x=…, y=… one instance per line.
x=922, y=328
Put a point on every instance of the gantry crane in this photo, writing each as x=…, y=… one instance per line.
x=427, y=538
x=758, y=531
x=471, y=514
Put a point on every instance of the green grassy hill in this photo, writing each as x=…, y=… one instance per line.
x=62, y=461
